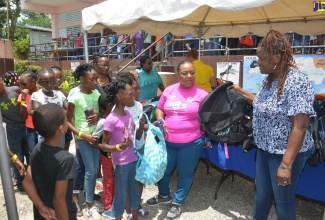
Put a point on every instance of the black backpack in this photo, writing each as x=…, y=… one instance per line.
x=317, y=130
x=226, y=116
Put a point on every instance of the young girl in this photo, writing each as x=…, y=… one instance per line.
x=28, y=85
x=15, y=127
x=58, y=77
x=47, y=94
x=105, y=158
x=81, y=102
x=118, y=135
x=136, y=110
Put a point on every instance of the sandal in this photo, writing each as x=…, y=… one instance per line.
x=143, y=212
x=129, y=216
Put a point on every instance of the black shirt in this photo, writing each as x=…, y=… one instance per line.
x=48, y=165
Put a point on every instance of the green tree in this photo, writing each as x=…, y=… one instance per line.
x=14, y=13
x=35, y=19
x=31, y=19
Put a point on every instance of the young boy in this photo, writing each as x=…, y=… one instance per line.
x=52, y=169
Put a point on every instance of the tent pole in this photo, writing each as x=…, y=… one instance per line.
x=8, y=189
x=86, y=45
x=199, y=34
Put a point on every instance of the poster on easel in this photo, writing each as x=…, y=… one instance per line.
x=228, y=71
x=252, y=77
x=314, y=67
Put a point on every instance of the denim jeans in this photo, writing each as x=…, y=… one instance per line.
x=17, y=141
x=300, y=40
x=90, y=156
x=185, y=157
x=268, y=190
x=31, y=138
x=78, y=181
x=213, y=44
x=125, y=182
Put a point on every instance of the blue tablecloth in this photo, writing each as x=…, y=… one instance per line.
x=312, y=179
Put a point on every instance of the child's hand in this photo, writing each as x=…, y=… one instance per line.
x=127, y=142
x=89, y=138
x=47, y=213
x=20, y=167
x=92, y=120
x=24, y=93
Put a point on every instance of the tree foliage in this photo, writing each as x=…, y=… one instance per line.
x=18, y=19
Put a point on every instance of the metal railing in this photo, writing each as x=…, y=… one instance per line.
x=67, y=50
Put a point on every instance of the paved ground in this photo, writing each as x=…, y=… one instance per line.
x=235, y=200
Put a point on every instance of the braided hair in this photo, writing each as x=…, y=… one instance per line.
x=114, y=87
x=275, y=44
x=82, y=70
x=10, y=78
x=31, y=74
x=127, y=76
x=96, y=56
x=56, y=68
x=45, y=70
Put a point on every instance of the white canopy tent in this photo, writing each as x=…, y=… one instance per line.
x=227, y=17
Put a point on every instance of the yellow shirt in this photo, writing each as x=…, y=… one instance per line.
x=203, y=73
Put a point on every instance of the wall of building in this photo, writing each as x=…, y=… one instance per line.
x=6, y=56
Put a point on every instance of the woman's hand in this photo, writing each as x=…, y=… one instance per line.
x=284, y=176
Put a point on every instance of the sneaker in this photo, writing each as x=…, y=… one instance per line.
x=93, y=213
x=109, y=214
x=99, y=183
x=128, y=216
x=99, y=206
x=174, y=212
x=159, y=199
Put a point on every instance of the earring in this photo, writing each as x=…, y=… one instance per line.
x=274, y=67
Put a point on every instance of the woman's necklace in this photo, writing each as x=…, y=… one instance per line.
x=103, y=83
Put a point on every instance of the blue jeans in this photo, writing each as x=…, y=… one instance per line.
x=78, y=181
x=213, y=44
x=268, y=190
x=31, y=138
x=125, y=181
x=300, y=41
x=90, y=156
x=17, y=141
x=185, y=157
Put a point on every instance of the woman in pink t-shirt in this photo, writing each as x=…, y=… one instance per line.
x=177, y=111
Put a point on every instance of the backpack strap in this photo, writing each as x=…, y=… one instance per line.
x=136, y=150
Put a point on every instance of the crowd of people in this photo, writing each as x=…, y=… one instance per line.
x=101, y=113
x=216, y=45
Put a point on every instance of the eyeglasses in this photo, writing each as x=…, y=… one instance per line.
x=104, y=65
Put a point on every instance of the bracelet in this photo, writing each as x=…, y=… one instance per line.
x=80, y=133
x=118, y=147
x=14, y=158
x=284, y=166
x=161, y=121
x=23, y=103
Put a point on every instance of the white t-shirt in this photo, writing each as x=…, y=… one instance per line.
x=136, y=111
x=58, y=97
